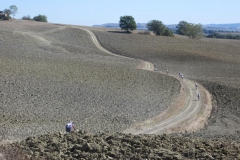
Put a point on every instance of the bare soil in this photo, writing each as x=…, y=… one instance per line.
x=213, y=63
x=80, y=145
x=197, y=110
x=53, y=73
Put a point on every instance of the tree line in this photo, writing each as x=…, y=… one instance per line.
x=12, y=11
x=193, y=31
x=40, y=18
x=223, y=36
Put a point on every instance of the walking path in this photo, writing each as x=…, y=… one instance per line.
x=185, y=114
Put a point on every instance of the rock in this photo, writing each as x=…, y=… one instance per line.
x=111, y=154
x=90, y=147
x=178, y=157
x=77, y=147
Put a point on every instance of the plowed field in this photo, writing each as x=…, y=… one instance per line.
x=213, y=63
x=52, y=73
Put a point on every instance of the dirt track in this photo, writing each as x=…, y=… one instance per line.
x=191, y=107
x=38, y=80
x=51, y=73
x=213, y=63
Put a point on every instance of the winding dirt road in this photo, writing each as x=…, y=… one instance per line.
x=186, y=114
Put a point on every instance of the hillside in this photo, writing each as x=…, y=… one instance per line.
x=213, y=63
x=79, y=145
x=52, y=73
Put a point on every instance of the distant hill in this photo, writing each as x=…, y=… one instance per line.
x=226, y=27
x=142, y=26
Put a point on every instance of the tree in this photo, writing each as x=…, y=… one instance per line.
x=8, y=12
x=26, y=17
x=156, y=26
x=168, y=33
x=127, y=23
x=159, y=28
x=13, y=9
x=193, y=31
x=40, y=18
x=182, y=27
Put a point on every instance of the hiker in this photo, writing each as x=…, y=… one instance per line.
x=196, y=85
x=167, y=71
x=155, y=69
x=69, y=127
x=198, y=96
x=182, y=77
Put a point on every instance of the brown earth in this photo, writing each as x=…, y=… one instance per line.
x=52, y=71
x=79, y=145
x=213, y=63
x=193, y=111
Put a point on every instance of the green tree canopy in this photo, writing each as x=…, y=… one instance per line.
x=182, y=27
x=40, y=18
x=168, y=33
x=127, y=23
x=159, y=28
x=13, y=9
x=156, y=26
x=193, y=31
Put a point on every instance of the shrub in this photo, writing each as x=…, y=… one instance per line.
x=40, y=18
x=26, y=17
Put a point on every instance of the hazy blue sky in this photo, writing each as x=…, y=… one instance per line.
x=90, y=12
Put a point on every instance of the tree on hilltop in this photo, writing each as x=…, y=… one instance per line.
x=40, y=18
x=127, y=23
x=182, y=27
x=26, y=17
x=193, y=31
x=159, y=28
x=13, y=9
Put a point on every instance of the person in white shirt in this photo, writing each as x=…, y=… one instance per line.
x=69, y=126
x=198, y=96
x=196, y=85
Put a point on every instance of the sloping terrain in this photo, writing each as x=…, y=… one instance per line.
x=199, y=110
x=47, y=75
x=52, y=73
x=213, y=63
x=79, y=145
